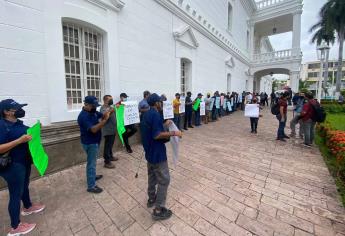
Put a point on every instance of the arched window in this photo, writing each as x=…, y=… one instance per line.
x=83, y=56
x=229, y=17
x=186, y=66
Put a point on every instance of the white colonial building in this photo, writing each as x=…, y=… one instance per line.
x=53, y=53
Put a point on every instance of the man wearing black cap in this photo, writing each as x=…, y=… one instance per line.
x=153, y=139
x=188, y=111
x=197, y=111
x=91, y=122
x=130, y=129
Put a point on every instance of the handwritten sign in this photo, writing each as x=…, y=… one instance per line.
x=182, y=105
x=228, y=104
x=131, y=113
x=251, y=110
x=212, y=104
x=202, y=109
x=168, y=111
x=217, y=102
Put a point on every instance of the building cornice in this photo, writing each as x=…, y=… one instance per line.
x=201, y=24
x=114, y=5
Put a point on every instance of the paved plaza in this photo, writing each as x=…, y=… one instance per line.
x=227, y=182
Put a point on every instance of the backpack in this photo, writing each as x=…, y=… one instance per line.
x=319, y=113
x=275, y=109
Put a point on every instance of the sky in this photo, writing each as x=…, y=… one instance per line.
x=309, y=17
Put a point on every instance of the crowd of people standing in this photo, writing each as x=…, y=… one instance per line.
x=154, y=131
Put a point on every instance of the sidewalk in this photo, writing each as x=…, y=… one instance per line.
x=227, y=182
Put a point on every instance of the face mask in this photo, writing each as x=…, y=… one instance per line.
x=20, y=113
x=125, y=99
x=111, y=102
x=93, y=110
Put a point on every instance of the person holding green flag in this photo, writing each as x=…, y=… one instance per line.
x=196, y=108
x=90, y=123
x=14, y=145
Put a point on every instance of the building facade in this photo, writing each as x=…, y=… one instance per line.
x=310, y=72
x=53, y=53
x=56, y=52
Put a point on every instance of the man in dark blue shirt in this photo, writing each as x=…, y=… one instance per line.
x=153, y=138
x=91, y=122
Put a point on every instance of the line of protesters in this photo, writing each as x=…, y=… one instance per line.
x=154, y=135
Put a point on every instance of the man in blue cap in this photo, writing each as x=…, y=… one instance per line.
x=91, y=122
x=154, y=138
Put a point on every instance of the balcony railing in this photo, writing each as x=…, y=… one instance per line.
x=267, y=3
x=275, y=56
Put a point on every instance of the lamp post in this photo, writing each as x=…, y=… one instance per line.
x=322, y=52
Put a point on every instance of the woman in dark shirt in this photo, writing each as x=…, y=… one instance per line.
x=13, y=142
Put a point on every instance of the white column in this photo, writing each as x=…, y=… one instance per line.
x=294, y=81
x=296, y=33
x=250, y=83
x=252, y=40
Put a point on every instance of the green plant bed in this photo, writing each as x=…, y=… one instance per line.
x=330, y=161
x=336, y=120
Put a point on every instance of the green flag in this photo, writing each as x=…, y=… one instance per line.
x=196, y=104
x=39, y=156
x=120, y=121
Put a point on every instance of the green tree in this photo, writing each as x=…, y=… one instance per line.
x=331, y=23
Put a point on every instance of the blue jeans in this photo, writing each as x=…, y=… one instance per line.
x=197, y=118
x=177, y=120
x=214, y=114
x=92, y=152
x=281, y=127
x=17, y=177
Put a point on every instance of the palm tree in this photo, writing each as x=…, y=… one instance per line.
x=332, y=20
x=323, y=33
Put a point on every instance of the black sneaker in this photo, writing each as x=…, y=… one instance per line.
x=98, y=177
x=281, y=139
x=151, y=202
x=185, y=128
x=129, y=150
x=95, y=189
x=285, y=136
x=190, y=126
x=161, y=214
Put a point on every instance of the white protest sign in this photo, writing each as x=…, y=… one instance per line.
x=168, y=110
x=251, y=110
x=217, y=102
x=224, y=104
x=212, y=104
x=182, y=105
x=202, y=109
x=174, y=143
x=228, y=104
x=131, y=112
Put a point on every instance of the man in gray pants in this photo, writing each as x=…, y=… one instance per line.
x=307, y=115
x=296, y=119
x=154, y=138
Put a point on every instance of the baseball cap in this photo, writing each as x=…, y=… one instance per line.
x=124, y=95
x=200, y=94
x=9, y=104
x=92, y=100
x=153, y=98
